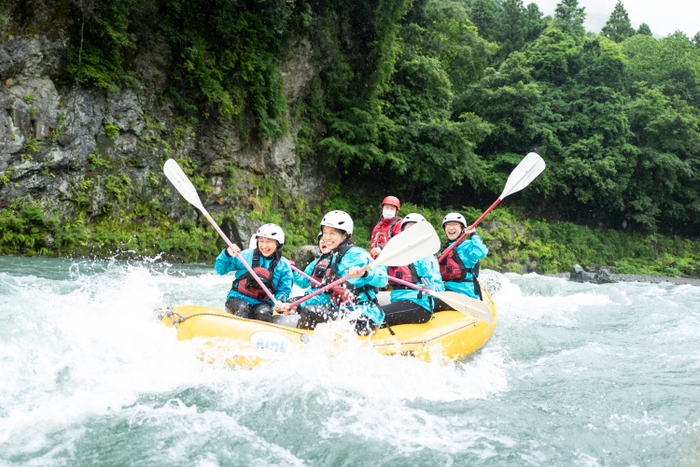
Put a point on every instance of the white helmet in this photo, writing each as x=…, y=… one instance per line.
x=253, y=242
x=454, y=217
x=340, y=220
x=271, y=231
x=413, y=217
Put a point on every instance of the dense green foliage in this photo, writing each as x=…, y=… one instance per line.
x=618, y=28
x=515, y=246
x=617, y=124
x=434, y=101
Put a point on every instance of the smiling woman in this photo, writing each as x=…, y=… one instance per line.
x=249, y=298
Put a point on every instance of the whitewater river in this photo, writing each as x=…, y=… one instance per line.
x=575, y=375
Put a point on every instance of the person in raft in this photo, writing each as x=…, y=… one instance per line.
x=460, y=267
x=246, y=298
x=409, y=305
x=387, y=226
x=354, y=295
x=316, y=268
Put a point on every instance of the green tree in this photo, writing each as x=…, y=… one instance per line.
x=570, y=17
x=563, y=97
x=220, y=56
x=666, y=182
x=484, y=14
x=514, y=27
x=644, y=30
x=554, y=56
x=536, y=22
x=672, y=62
x=411, y=140
x=696, y=40
x=442, y=29
x=618, y=27
x=509, y=99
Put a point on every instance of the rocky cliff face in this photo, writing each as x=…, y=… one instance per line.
x=94, y=153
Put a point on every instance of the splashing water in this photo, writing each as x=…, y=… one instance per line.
x=576, y=374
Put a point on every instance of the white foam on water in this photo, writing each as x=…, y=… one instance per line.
x=377, y=397
x=92, y=346
x=556, y=304
x=88, y=350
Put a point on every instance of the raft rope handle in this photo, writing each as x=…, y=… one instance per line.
x=169, y=313
x=425, y=342
x=185, y=318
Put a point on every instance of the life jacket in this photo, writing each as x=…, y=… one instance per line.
x=384, y=233
x=345, y=293
x=406, y=273
x=248, y=286
x=320, y=268
x=452, y=269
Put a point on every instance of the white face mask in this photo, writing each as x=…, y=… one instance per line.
x=388, y=213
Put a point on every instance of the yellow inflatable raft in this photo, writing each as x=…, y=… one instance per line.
x=452, y=334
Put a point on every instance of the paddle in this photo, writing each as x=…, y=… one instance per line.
x=313, y=281
x=458, y=302
x=180, y=181
x=528, y=170
x=405, y=248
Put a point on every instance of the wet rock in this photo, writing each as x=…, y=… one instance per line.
x=71, y=124
x=241, y=230
x=246, y=227
x=304, y=255
x=39, y=98
x=124, y=110
x=6, y=101
x=104, y=145
x=298, y=70
x=11, y=139
x=65, y=139
x=531, y=266
x=32, y=56
x=41, y=129
x=283, y=158
x=602, y=276
x=84, y=113
x=20, y=116
x=577, y=274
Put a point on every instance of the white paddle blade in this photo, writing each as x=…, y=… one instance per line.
x=528, y=170
x=409, y=246
x=183, y=184
x=467, y=305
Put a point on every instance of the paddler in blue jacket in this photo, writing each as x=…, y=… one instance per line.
x=356, y=294
x=409, y=305
x=460, y=268
x=246, y=298
x=316, y=268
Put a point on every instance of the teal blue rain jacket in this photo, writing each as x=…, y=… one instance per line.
x=429, y=271
x=469, y=251
x=281, y=278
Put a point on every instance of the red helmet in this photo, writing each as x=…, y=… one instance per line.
x=392, y=201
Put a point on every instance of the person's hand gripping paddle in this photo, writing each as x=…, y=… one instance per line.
x=183, y=184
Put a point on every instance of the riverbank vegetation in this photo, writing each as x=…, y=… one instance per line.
x=516, y=244
x=434, y=101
